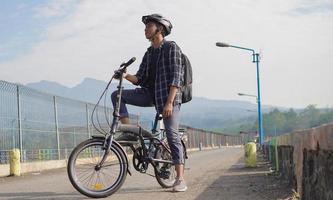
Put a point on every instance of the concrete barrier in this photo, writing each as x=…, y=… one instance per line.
x=37, y=166
x=34, y=166
x=15, y=165
x=250, y=154
x=305, y=158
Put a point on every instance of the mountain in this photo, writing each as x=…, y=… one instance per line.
x=89, y=90
x=200, y=112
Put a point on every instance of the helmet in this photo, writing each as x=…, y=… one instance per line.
x=159, y=19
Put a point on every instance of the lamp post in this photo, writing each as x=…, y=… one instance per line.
x=255, y=59
x=250, y=95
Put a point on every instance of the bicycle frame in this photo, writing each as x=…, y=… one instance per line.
x=109, y=138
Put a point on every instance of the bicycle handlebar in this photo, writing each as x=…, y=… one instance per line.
x=128, y=62
x=122, y=68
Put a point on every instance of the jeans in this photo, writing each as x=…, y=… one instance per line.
x=144, y=98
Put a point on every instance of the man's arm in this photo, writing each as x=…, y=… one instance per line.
x=167, y=110
x=131, y=78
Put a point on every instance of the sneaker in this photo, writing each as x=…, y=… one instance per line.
x=179, y=185
x=127, y=137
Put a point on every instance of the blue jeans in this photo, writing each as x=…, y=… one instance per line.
x=144, y=98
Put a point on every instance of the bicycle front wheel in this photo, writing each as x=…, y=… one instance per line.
x=93, y=180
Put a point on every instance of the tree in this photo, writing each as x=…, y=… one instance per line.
x=309, y=117
x=291, y=121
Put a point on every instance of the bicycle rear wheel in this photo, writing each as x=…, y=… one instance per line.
x=88, y=178
x=165, y=173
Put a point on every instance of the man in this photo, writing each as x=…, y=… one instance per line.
x=159, y=76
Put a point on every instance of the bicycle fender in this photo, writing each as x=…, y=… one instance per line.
x=122, y=149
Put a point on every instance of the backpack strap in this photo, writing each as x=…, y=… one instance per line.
x=167, y=44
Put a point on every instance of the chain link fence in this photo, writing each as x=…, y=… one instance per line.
x=48, y=127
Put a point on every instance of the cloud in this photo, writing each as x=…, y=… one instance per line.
x=91, y=38
x=90, y=42
x=54, y=8
x=313, y=7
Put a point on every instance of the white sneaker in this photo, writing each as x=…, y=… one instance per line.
x=179, y=185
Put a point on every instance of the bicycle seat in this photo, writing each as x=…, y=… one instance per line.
x=135, y=129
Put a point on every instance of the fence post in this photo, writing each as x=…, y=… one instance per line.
x=74, y=137
x=87, y=112
x=56, y=124
x=211, y=140
x=19, y=118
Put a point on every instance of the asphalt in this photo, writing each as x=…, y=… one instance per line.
x=210, y=174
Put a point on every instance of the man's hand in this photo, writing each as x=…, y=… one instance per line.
x=167, y=110
x=117, y=74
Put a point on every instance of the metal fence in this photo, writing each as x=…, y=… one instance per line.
x=48, y=127
x=202, y=138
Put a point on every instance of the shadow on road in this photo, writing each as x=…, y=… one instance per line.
x=40, y=195
x=240, y=182
x=133, y=190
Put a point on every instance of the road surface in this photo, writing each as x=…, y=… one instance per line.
x=210, y=174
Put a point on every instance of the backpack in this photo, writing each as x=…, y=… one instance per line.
x=186, y=87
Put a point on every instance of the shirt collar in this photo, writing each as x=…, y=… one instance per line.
x=160, y=47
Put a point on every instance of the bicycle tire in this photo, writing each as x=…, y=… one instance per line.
x=164, y=182
x=85, y=157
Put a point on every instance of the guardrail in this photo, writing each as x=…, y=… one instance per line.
x=34, y=122
x=46, y=127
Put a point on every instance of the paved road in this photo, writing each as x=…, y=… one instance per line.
x=211, y=174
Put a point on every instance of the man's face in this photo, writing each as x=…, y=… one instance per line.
x=150, y=30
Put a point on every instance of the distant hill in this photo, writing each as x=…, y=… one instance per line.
x=200, y=112
x=89, y=90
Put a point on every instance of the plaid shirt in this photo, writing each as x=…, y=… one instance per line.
x=168, y=73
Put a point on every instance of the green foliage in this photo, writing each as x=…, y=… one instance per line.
x=277, y=122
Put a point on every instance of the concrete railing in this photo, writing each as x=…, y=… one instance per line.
x=305, y=158
x=45, y=127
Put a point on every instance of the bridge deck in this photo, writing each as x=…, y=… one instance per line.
x=211, y=174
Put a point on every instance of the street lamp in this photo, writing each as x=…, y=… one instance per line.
x=255, y=59
x=248, y=95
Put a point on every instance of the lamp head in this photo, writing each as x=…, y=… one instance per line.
x=221, y=44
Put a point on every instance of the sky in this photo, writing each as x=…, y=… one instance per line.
x=68, y=40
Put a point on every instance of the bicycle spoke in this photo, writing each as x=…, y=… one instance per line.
x=81, y=175
x=97, y=184
x=88, y=179
x=106, y=174
x=102, y=182
x=109, y=165
x=113, y=175
x=84, y=172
